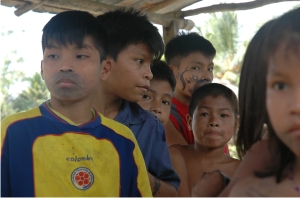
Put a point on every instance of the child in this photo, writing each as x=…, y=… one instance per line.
x=282, y=179
x=190, y=56
x=134, y=43
x=212, y=116
x=158, y=98
x=64, y=147
x=252, y=90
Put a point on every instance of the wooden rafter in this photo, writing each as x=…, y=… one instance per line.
x=229, y=7
x=97, y=8
x=165, y=6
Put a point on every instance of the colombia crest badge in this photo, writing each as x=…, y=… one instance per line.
x=82, y=178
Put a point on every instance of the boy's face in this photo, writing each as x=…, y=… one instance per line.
x=283, y=96
x=129, y=76
x=194, y=71
x=213, y=122
x=71, y=73
x=158, y=99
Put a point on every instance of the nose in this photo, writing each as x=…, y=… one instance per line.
x=295, y=103
x=207, y=76
x=156, y=107
x=66, y=65
x=147, y=73
x=213, y=122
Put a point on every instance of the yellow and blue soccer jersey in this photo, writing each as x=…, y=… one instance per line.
x=43, y=155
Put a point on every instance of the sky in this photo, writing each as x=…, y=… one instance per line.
x=25, y=39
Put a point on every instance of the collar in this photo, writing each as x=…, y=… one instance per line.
x=131, y=113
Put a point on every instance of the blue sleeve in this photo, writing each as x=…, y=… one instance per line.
x=160, y=164
x=5, y=181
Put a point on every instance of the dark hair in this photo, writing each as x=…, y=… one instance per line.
x=72, y=27
x=285, y=31
x=127, y=27
x=162, y=71
x=186, y=43
x=252, y=92
x=214, y=90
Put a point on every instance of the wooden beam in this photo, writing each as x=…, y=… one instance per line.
x=230, y=7
x=27, y=7
x=97, y=8
x=170, y=32
x=170, y=6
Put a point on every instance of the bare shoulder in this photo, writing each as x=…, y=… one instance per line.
x=173, y=136
x=259, y=147
x=261, y=187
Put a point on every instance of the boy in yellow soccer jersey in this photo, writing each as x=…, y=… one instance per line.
x=64, y=147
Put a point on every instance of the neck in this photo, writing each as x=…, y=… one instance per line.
x=77, y=112
x=182, y=98
x=208, y=154
x=106, y=103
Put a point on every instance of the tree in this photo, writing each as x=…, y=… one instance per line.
x=8, y=79
x=34, y=95
x=223, y=31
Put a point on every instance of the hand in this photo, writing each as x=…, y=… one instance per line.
x=210, y=184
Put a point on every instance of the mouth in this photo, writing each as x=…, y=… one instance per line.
x=295, y=129
x=200, y=83
x=145, y=87
x=212, y=133
x=65, y=82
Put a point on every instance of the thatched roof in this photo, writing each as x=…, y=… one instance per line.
x=167, y=13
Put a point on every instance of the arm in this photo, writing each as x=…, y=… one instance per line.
x=173, y=136
x=160, y=166
x=179, y=166
x=160, y=188
x=256, y=159
x=5, y=180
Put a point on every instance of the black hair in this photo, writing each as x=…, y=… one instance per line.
x=128, y=26
x=162, y=71
x=186, y=43
x=214, y=90
x=252, y=92
x=285, y=31
x=72, y=27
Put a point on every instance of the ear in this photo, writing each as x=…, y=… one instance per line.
x=189, y=120
x=172, y=67
x=42, y=71
x=107, y=65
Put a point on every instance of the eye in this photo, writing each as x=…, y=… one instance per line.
x=166, y=102
x=224, y=115
x=53, y=56
x=210, y=69
x=280, y=86
x=140, y=61
x=145, y=96
x=204, y=114
x=195, y=68
x=81, y=56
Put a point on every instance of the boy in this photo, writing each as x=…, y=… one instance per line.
x=158, y=98
x=190, y=56
x=64, y=147
x=213, y=116
x=133, y=45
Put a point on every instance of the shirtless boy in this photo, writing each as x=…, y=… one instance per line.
x=213, y=118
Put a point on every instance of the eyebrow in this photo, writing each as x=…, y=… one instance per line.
x=83, y=46
x=206, y=107
x=165, y=94
x=200, y=63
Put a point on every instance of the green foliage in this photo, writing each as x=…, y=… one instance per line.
x=222, y=30
x=34, y=95
x=8, y=79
